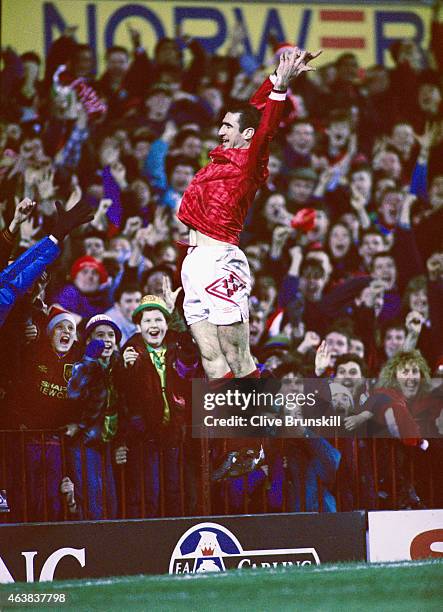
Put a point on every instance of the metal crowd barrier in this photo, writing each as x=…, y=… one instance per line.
x=32, y=464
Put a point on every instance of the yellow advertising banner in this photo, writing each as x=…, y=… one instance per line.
x=364, y=29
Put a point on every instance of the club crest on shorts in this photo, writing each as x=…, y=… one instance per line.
x=226, y=287
x=211, y=547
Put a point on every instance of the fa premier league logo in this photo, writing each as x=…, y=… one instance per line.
x=209, y=547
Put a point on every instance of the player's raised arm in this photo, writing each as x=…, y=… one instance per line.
x=293, y=62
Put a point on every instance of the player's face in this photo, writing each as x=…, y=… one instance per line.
x=230, y=135
x=153, y=326
x=63, y=336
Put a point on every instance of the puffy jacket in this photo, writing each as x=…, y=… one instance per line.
x=97, y=391
x=16, y=279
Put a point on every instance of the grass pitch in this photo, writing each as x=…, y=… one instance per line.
x=409, y=586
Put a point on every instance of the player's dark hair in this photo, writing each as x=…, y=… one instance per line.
x=249, y=116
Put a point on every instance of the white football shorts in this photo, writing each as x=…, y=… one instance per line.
x=217, y=283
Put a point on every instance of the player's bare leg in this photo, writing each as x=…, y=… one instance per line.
x=234, y=342
x=213, y=360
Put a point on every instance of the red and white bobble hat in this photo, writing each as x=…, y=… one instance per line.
x=57, y=314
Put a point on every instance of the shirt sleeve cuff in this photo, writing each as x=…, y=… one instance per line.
x=279, y=96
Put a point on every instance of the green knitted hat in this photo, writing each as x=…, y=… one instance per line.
x=151, y=302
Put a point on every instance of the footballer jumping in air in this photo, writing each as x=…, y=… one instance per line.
x=215, y=272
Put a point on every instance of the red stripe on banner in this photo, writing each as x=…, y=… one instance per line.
x=342, y=15
x=343, y=42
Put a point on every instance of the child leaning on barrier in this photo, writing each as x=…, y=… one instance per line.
x=95, y=385
x=159, y=366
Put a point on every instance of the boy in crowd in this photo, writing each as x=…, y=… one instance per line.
x=95, y=390
x=44, y=405
x=126, y=299
x=159, y=366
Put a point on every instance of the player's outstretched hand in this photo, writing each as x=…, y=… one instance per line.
x=292, y=64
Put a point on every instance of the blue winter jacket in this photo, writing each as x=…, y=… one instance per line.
x=16, y=279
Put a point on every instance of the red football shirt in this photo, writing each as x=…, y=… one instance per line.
x=217, y=200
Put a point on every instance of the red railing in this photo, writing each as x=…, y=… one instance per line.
x=33, y=463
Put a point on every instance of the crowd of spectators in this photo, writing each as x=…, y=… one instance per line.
x=97, y=351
